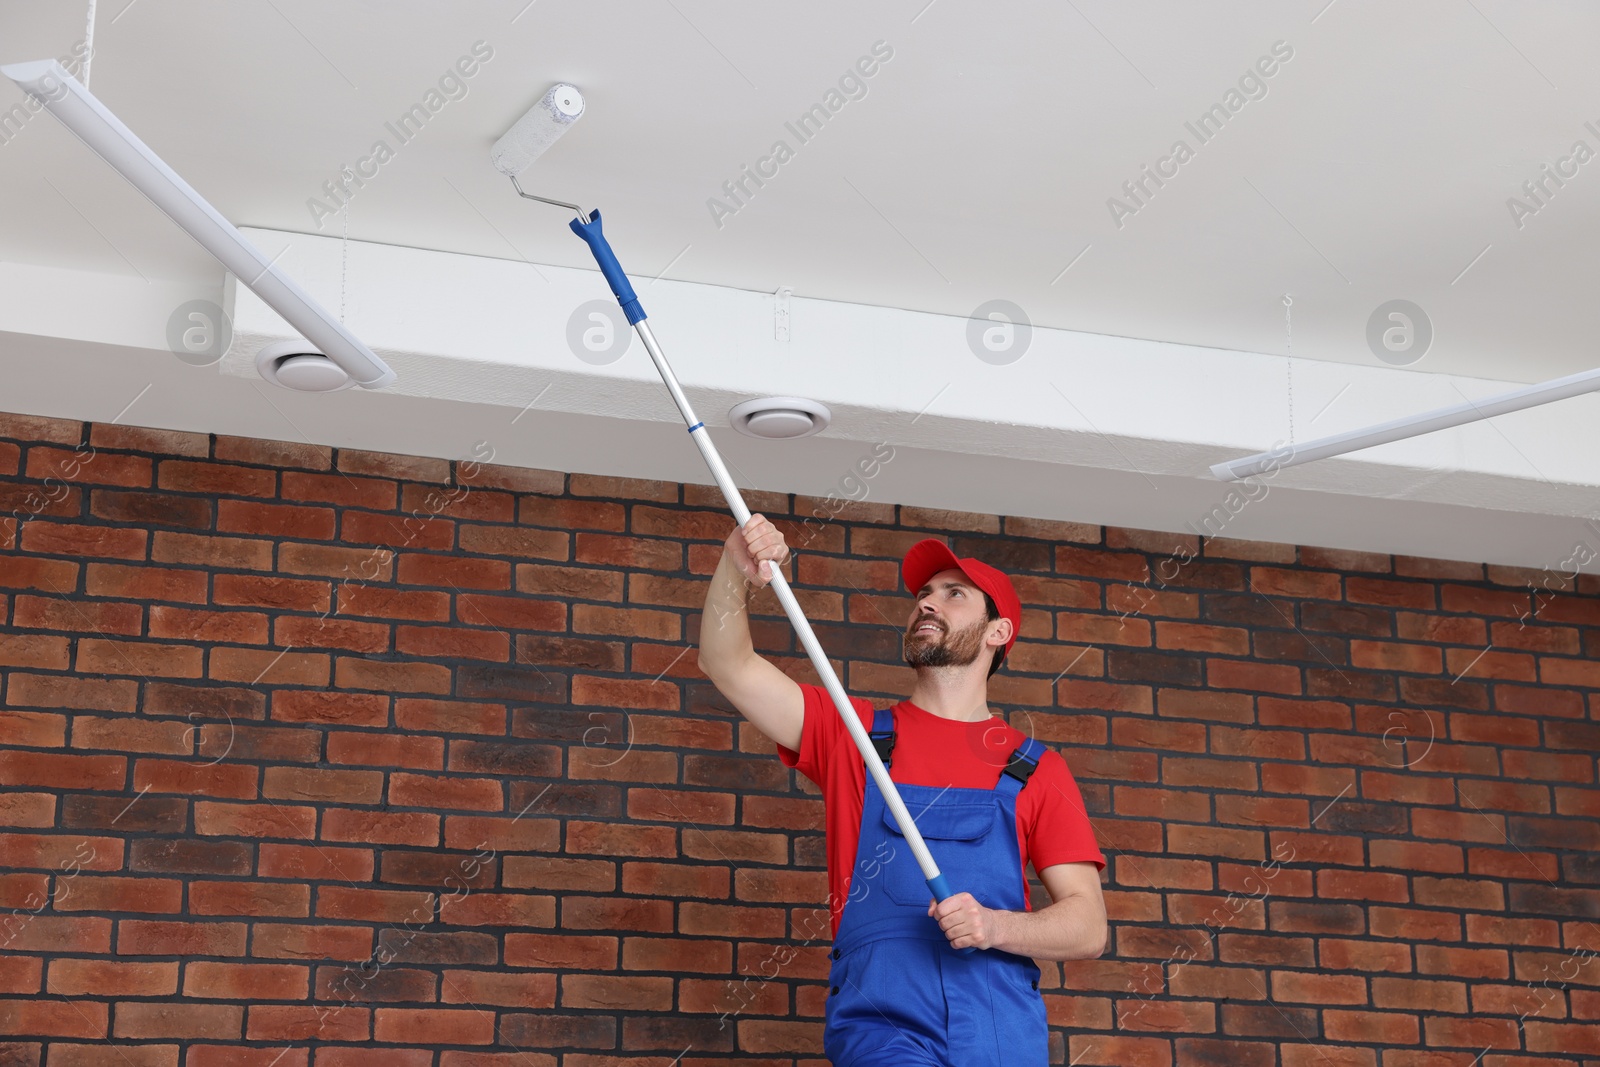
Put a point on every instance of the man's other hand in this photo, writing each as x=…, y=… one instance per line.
x=965, y=922
x=753, y=545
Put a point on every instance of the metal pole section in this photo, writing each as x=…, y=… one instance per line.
x=791, y=608
x=1412, y=426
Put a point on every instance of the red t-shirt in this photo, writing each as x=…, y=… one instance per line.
x=1052, y=826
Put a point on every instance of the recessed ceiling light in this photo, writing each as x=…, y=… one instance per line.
x=296, y=365
x=779, y=418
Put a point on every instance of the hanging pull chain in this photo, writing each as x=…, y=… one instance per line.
x=1288, y=342
x=344, y=256
x=88, y=45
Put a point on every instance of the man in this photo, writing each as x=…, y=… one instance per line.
x=985, y=798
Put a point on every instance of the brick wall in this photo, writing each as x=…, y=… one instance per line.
x=316, y=757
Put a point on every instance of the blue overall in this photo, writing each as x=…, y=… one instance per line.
x=899, y=995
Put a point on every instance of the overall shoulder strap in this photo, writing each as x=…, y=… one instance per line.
x=882, y=733
x=1024, y=761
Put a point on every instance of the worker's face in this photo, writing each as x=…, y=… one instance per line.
x=948, y=623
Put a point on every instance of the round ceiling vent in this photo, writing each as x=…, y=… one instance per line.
x=779, y=418
x=296, y=365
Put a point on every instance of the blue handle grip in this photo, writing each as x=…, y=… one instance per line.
x=941, y=891
x=607, y=260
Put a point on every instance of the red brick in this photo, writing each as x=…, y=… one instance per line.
x=80, y=694
x=427, y=791
x=511, y=613
x=26, y=809
x=561, y=951
x=211, y=627
x=34, y=728
x=514, y=834
x=275, y=520
x=624, y=693
x=1390, y=1028
x=215, y=479
x=273, y=453
x=374, y=494
x=315, y=863
x=220, y=553
x=453, y=642
x=34, y=650
x=151, y=937
x=340, y=1056
x=118, y=894
x=396, y=531
x=387, y=465
x=518, y=542
x=1390, y=593
x=256, y=821
x=465, y=1026
x=61, y=771
x=250, y=898
x=386, y=828
x=41, y=428
x=266, y=667
x=1325, y=1056
x=457, y=502
x=159, y=1019
x=356, y=598
x=78, y=616
x=1362, y=885
x=246, y=981
x=392, y=677
x=631, y=622
x=67, y=539
x=53, y=1018
x=289, y=1022
x=99, y=656
x=300, y=942
x=1343, y=955
x=21, y=975
x=1576, y=672
x=560, y=872
x=507, y=990
x=336, y=561
x=709, y=996
x=1423, y=995
x=298, y=631
x=634, y=915
x=587, y=583
x=677, y=955
x=1259, y=677
x=446, y=716
x=453, y=572
x=342, y=709
x=520, y=910
x=87, y=466
x=560, y=513
x=109, y=978
x=721, y=920
x=53, y=934
x=51, y=575
x=386, y=749
x=605, y=991
x=269, y=591
x=372, y=905
x=196, y=779
x=320, y=785
x=138, y=583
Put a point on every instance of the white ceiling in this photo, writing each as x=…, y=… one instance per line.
x=977, y=167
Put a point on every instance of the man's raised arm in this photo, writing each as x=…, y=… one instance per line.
x=761, y=692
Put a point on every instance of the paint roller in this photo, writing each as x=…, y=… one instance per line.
x=512, y=155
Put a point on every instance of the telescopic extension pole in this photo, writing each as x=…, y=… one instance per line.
x=587, y=226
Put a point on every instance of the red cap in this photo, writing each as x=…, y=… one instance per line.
x=929, y=557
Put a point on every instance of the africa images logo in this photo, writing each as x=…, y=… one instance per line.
x=1252, y=85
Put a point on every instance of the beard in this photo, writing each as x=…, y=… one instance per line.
x=943, y=649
